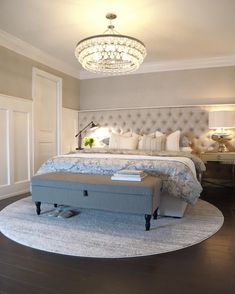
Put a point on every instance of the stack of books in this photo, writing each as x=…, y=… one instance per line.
x=129, y=175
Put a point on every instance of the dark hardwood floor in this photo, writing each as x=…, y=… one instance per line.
x=208, y=267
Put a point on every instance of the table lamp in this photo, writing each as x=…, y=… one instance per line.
x=221, y=121
x=91, y=125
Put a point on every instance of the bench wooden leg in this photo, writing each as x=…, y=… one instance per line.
x=38, y=207
x=155, y=213
x=147, y=223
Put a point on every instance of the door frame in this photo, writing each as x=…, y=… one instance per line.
x=35, y=73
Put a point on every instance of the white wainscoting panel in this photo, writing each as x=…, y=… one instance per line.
x=4, y=143
x=21, y=163
x=69, y=129
x=15, y=145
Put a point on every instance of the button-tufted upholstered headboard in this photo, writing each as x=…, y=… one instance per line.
x=191, y=120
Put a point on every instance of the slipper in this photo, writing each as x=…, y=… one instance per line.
x=55, y=212
x=66, y=214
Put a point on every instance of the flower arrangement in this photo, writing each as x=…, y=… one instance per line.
x=88, y=141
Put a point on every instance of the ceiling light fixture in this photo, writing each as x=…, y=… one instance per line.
x=110, y=53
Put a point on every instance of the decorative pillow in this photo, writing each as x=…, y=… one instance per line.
x=173, y=141
x=153, y=144
x=186, y=149
x=118, y=141
x=185, y=141
x=129, y=134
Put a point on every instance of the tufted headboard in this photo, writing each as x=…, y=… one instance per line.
x=191, y=120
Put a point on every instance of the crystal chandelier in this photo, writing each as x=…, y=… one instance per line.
x=110, y=53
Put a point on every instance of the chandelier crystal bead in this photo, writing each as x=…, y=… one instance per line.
x=110, y=53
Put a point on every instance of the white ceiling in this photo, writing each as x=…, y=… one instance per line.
x=172, y=30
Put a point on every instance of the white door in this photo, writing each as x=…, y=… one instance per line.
x=47, y=92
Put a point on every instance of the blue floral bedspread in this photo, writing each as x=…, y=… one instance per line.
x=177, y=178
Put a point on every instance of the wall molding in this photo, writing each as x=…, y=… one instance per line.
x=16, y=151
x=21, y=47
x=186, y=64
x=222, y=105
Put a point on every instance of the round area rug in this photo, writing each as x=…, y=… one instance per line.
x=93, y=233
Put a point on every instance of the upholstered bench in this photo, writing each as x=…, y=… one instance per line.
x=98, y=192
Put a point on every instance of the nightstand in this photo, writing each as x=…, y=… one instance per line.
x=218, y=156
x=220, y=169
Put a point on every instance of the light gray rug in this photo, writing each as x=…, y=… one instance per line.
x=92, y=233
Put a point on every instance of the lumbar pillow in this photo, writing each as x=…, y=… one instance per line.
x=118, y=141
x=150, y=143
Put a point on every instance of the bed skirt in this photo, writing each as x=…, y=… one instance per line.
x=171, y=206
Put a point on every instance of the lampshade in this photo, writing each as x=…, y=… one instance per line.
x=111, y=52
x=222, y=119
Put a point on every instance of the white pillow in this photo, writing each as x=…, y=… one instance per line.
x=118, y=141
x=173, y=141
x=158, y=134
x=153, y=144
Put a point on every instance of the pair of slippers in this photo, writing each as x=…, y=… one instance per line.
x=61, y=213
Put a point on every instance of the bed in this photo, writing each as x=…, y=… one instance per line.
x=179, y=171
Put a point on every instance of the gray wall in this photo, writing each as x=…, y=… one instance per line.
x=16, y=78
x=170, y=88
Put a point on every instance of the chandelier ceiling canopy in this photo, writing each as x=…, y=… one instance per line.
x=111, y=52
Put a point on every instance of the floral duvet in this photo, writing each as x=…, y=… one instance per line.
x=177, y=170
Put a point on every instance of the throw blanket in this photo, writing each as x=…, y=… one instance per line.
x=177, y=173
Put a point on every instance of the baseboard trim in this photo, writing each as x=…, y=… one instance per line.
x=14, y=194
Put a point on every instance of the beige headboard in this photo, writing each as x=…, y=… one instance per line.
x=191, y=120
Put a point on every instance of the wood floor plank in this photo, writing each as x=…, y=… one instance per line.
x=208, y=267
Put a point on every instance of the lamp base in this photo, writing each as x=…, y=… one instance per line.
x=222, y=139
